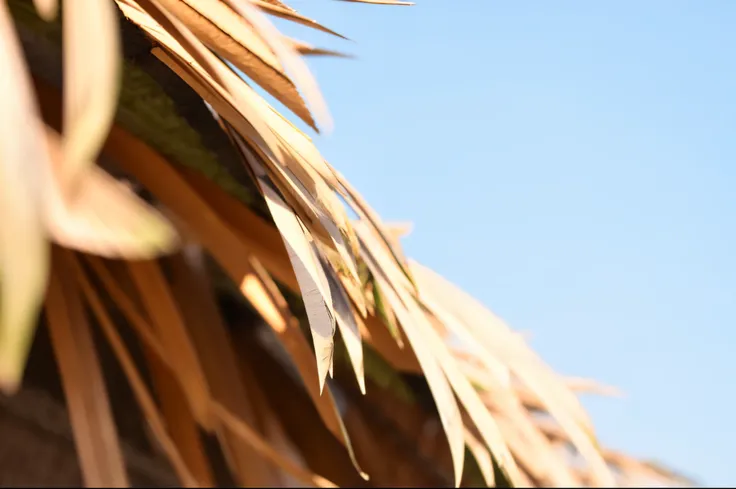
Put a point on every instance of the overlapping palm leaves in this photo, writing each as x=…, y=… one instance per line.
x=352, y=275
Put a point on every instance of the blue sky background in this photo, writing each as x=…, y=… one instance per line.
x=571, y=164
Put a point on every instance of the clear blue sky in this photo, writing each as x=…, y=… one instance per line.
x=572, y=164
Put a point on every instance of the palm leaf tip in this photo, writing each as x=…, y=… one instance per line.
x=47, y=9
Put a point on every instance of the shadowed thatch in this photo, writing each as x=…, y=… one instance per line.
x=192, y=309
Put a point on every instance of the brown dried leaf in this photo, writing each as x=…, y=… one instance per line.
x=226, y=32
x=169, y=327
x=90, y=414
x=182, y=425
x=287, y=13
x=138, y=385
x=191, y=286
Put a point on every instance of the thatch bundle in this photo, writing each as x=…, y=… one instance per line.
x=211, y=312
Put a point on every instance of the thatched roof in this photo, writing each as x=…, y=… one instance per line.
x=226, y=200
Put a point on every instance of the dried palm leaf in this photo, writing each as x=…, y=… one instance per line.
x=284, y=12
x=180, y=421
x=91, y=79
x=306, y=49
x=47, y=9
x=172, y=333
x=24, y=252
x=332, y=274
x=191, y=286
x=94, y=429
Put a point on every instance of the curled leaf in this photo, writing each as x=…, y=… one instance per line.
x=104, y=217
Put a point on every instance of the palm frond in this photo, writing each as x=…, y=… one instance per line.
x=236, y=265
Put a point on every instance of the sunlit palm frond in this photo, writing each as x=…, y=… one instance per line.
x=161, y=92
